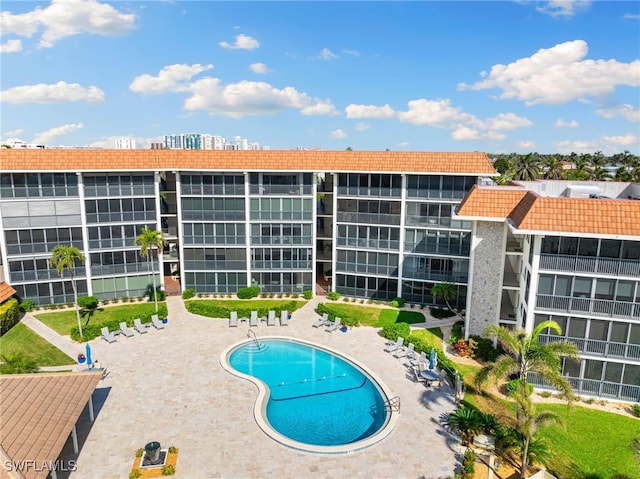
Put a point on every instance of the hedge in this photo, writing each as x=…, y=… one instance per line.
x=9, y=315
x=248, y=292
x=216, y=309
x=344, y=319
x=91, y=331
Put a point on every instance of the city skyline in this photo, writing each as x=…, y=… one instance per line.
x=553, y=77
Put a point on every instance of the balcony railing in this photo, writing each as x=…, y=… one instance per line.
x=595, y=307
x=597, y=347
x=281, y=264
x=369, y=218
x=369, y=243
x=344, y=267
x=594, y=387
x=584, y=264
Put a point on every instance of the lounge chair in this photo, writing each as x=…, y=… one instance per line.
x=156, y=322
x=271, y=318
x=108, y=336
x=417, y=376
x=233, y=319
x=403, y=353
x=335, y=325
x=253, y=320
x=422, y=359
x=124, y=330
x=323, y=321
x=395, y=346
x=138, y=326
x=284, y=318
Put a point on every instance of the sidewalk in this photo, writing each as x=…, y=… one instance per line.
x=63, y=343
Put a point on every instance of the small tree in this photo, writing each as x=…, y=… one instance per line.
x=465, y=421
x=149, y=239
x=446, y=291
x=65, y=258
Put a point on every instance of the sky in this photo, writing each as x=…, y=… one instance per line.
x=556, y=76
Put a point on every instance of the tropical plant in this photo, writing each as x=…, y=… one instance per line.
x=149, y=239
x=466, y=422
x=17, y=364
x=525, y=168
x=553, y=168
x=446, y=292
x=65, y=258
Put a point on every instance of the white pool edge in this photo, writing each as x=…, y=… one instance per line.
x=260, y=405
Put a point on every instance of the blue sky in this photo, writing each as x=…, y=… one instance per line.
x=549, y=76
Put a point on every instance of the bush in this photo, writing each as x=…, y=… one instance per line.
x=215, y=309
x=188, y=293
x=9, y=315
x=160, y=294
x=395, y=331
x=514, y=385
x=462, y=348
x=27, y=306
x=397, y=302
x=636, y=409
x=441, y=313
x=18, y=364
x=308, y=294
x=248, y=292
x=168, y=470
x=87, y=302
x=135, y=474
x=484, y=349
x=456, y=332
x=333, y=295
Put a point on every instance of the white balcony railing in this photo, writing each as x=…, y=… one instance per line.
x=595, y=307
x=584, y=264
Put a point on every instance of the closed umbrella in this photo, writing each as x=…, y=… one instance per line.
x=432, y=359
x=89, y=360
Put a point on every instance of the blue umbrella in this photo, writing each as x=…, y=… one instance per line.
x=432, y=359
x=89, y=360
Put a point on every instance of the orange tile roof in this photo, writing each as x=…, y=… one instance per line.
x=470, y=163
x=37, y=414
x=6, y=291
x=528, y=211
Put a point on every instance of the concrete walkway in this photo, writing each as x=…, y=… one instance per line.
x=63, y=343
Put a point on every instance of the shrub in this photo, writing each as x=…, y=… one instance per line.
x=139, y=452
x=484, y=349
x=393, y=331
x=514, y=385
x=168, y=470
x=87, y=302
x=27, y=306
x=636, y=409
x=173, y=450
x=308, y=294
x=462, y=347
x=397, y=302
x=441, y=313
x=17, y=364
x=214, y=309
x=160, y=294
x=135, y=474
x=9, y=315
x=188, y=293
x=456, y=332
x=333, y=295
x=248, y=292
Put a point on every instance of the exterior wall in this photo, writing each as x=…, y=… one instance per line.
x=486, y=282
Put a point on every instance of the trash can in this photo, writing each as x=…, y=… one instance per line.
x=152, y=450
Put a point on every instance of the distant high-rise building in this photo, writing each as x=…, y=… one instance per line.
x=125, y=144
x=212, y=142
x=205, y=141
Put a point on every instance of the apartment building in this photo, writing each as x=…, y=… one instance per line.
x=569, y=252
x=366, y=224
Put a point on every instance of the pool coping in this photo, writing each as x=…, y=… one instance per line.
x=260, y=405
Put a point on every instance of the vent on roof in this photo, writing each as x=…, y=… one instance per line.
x=599, y=196
x=634, y=197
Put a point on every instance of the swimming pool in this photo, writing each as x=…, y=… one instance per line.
x=310, y=397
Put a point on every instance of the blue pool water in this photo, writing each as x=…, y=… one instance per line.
x=315, y=397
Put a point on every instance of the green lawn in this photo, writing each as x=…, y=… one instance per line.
x=375, y=317
x=63, y=321
x=214, y=308
x=21, y=340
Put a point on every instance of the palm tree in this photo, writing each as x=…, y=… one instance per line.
x=65, y=257
x=465, y=421
x=600, y=174
x=446, y=291
x=524, y=355
x=526, y=168
x=147, y=240
x=553, y=168
x=623, y=174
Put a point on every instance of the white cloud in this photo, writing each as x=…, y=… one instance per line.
x=507, y=121
x=526, y=144
x=243, y=42
x=65, y=18
x=564, y=8
x=609, y=145
x=326, y=54
x=260, y=68
x=12, y=133
x=320, y=108
x=45, y=137
x=558, y=75
x=560, y=123
x=61, y=92
x=171, y=78
x=621, y=140
x=361, y=126
x=11, y=46
x=632, y=16
x=465, y=133
x=355, y=53
x=403, y=144
x=339, y=133
x=369, y=111
x=626, y=111
x=438, y=113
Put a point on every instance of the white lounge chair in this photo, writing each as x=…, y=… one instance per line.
x=108, y=336
x=323, y=321
x=253, y=320
x=422, y=359
x=271, y=318
x=124, y=329
x=284, y=318
x=138, y=326
x=233, y=319
x=404, y=352
x=335, y=325
x=156, y=322
x=395, y=346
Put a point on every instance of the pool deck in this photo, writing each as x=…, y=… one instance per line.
x=168, y=386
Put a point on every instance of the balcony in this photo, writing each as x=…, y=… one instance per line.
x=605, y=349
x=588, y=306
x=588, y=264
x=594, y=387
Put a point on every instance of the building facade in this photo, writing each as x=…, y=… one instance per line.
x=567, y=252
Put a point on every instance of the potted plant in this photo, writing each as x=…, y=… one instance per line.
x=469, y=464
x=81, y=358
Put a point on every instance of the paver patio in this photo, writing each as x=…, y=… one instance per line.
x=168, y=386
